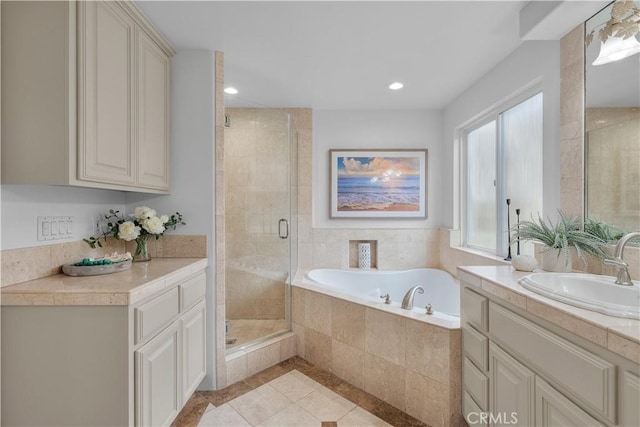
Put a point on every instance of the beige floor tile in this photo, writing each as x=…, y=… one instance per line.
x=292, y=416
x=222, y=416
x=260, y=404
x=326, y=405
x=358, y=417
x=294, y=386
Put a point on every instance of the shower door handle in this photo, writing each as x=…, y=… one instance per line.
x=284, y=235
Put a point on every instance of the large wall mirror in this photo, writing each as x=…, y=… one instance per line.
x=612, y=119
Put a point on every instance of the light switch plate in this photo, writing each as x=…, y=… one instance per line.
x=55, y=228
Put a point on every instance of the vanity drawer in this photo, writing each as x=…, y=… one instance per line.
x=475, y=309
x=192, y=291
x=476, y=384
x=153, y=315
x=476, y=347
x=587, y=377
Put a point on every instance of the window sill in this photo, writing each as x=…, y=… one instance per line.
x=482, y=254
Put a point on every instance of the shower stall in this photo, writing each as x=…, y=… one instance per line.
x=260, y=165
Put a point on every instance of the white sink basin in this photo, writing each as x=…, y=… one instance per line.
x=589, y=291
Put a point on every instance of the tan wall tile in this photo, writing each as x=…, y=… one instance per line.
x=348, y=323
x=288, y=348
x=428, y=350
x=317, y=349
x=262, y=358
x=183, y=246
x=427, y=400
x=347, y=363
x=298, y=305
x=236, y=369
x=21, y=265
x=385, y=380
x=317, y=312
x=299, y=331
x=385, y=335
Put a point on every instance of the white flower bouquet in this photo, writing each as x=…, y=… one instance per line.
x=142, y=224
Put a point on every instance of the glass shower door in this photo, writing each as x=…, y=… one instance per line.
x=258, y=224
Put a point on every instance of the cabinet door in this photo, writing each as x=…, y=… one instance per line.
x=157, y=370
x=105, y=98
x=194, y=359
x=512, y=390
x=152, y=86
x=555, y=410
x=630, y=412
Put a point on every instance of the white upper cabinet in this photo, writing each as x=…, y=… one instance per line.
x=152, y=109
x=109, y=70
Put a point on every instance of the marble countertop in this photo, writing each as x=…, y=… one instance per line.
x=619, y=335
x=142, y=280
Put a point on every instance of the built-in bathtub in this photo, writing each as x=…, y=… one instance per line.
x=441, y=290
x=407, y=358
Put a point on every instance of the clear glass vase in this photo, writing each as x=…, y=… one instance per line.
x=142, y=252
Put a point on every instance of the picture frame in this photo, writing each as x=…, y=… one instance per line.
x=389, y=183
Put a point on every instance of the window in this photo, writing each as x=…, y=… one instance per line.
x=503, y=153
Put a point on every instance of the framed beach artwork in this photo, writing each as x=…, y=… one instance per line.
x=378, y=183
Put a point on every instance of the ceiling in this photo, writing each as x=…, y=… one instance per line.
x=343, y=55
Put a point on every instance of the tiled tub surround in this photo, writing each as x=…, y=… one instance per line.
x=618, y=335
x=409, y=361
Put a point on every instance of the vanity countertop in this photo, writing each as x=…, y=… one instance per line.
x=619, y=335
x=142, y=280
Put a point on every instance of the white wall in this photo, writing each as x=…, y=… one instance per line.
x=192, y=168
x=23, y=204
x=376, y=129
x=532, y=60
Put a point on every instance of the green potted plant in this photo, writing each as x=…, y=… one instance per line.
x=558, y=239
x=605, y=231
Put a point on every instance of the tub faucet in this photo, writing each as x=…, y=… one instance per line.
x=617, y=261
x=407, y=301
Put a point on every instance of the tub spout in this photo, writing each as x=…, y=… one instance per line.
x=407, y=301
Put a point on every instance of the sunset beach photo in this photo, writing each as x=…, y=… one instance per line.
x=379, y=184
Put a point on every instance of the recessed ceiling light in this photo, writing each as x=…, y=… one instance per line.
x=396, y=86
x=230, y=90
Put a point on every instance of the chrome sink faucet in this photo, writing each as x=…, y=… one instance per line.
x=407, y=301
x=617, y=261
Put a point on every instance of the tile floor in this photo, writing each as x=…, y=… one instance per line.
x=247, y=330
x=292, y=393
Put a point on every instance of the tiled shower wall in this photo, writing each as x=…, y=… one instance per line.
x=256, y=165
x=612, y=155
x=242, y=363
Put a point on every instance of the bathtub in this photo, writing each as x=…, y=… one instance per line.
x=399, y=356
x=441, y=290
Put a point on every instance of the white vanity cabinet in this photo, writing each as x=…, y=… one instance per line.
x=518, y=370
x=92, y=362
x=85, y=96
x=170, y=364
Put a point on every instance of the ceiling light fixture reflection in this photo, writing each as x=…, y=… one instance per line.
x=617, y=48
x=230, y=90
x=396, y=86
